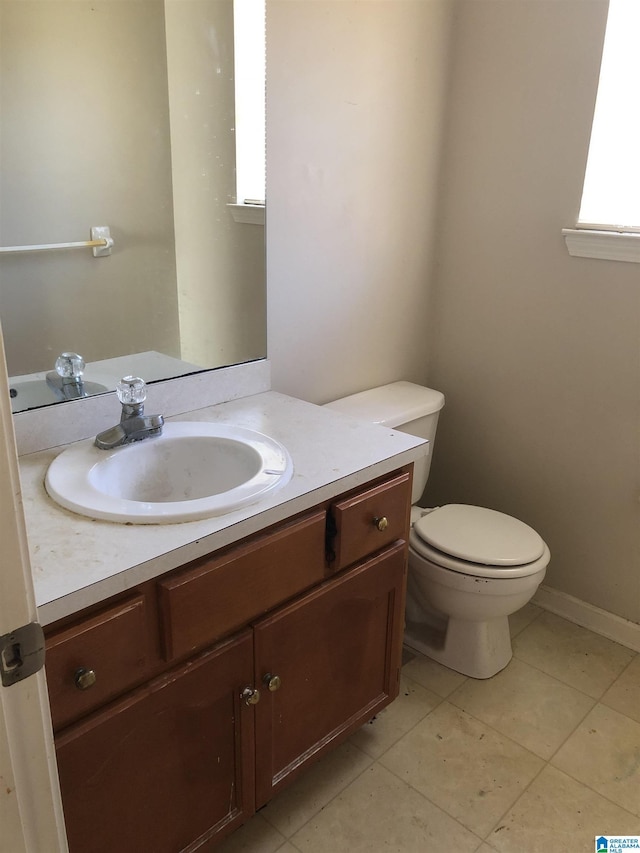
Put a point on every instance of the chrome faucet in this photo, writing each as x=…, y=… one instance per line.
x=67, y=380
x=134, y=424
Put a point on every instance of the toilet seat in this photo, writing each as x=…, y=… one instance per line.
x=478, y=541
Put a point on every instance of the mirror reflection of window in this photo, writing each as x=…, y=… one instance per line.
x=249, y=60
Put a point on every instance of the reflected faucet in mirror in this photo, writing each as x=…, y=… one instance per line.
x=67, y=380
x=134, y=424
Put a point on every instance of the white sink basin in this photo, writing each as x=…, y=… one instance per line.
x=191, y=471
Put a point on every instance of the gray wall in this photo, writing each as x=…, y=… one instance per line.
x=83, y=145
x=536, y=352
x=85, y=140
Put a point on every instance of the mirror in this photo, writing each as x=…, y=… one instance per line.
x=122, y=115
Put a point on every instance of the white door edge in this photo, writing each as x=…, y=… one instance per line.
x=30, y=807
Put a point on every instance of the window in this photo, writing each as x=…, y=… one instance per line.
x=249, y=59
x=609, y=221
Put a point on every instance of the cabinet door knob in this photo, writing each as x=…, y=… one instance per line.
x=381, y=523
x=84, y=678
x=250, y=696
x=272, y=682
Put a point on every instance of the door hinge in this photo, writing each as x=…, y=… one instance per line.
x=21, y=653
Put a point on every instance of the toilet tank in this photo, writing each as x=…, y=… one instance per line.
x=404, y=406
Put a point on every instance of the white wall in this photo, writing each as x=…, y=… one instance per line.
x=354, y=103
x=537, y=353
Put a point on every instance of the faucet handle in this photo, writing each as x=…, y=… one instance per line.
x=70, y=365
x=131, y=390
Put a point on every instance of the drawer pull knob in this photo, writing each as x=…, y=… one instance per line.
x=250, y=696
x=84, y=678
x=272, y=682
x=381, y=523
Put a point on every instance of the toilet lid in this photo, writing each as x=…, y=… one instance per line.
x=480, y=535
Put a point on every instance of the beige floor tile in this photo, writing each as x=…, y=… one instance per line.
x=294, y=806
x=558, y=813
x=463, y=766
x=378, y=812
x=433, y=676
x=412, y=705
x=519, y=620
x=578, y=657
x=256, y=836
x=624, y=693
x=604, y=753
x=525, y=704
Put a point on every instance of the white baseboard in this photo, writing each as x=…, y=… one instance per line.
x=599, y=621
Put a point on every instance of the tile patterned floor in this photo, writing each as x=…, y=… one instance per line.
x=543, y=756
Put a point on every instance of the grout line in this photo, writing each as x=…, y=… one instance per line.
x=291, y=844
x=517, y=743
x=499, y=733
x=566, y=683
x=590, y=631
x=434, y=804
x=633, y=659
x=560, y=680
x=546, y=761
x=528, y=625
x=594, y=791
x=516, y=801
x=557, y=678
x=417, y=723
x=486, y=725
x=324, y=805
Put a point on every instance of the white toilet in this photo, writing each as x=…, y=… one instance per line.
x=469, y=567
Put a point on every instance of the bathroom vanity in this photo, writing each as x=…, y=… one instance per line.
x=196, y=669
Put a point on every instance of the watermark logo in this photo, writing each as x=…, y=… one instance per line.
x=616, y=843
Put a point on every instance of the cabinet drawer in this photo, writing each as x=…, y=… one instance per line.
x=370, y=520
x=112, y=644
x=218, y=595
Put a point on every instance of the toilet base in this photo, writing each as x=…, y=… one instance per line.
x=477, y=649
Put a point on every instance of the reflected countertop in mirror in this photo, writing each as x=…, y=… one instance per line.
x=32, y=390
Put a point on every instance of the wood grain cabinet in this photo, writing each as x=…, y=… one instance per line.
x=214, y=686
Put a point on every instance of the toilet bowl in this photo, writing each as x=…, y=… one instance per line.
x=458, y=603
x=470, y=568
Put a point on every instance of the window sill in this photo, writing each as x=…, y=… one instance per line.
x=250, y=214
x=605, y=245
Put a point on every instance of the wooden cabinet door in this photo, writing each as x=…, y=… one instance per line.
x=167, y=768
x=336, y=654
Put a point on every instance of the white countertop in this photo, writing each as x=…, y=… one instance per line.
x=78, y=561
